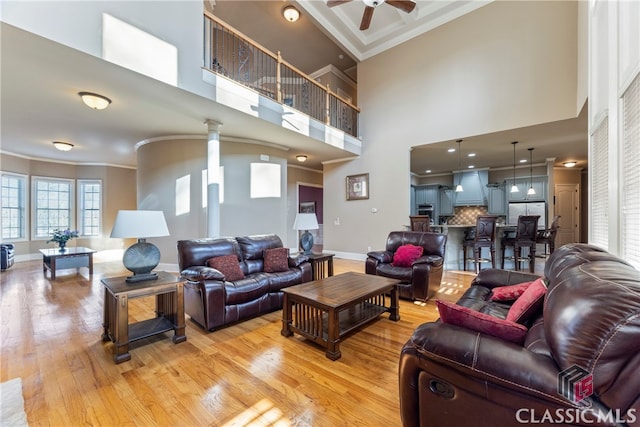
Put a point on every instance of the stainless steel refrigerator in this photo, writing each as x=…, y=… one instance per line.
x=527, y=208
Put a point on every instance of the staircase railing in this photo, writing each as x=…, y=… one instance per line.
x=229, y=53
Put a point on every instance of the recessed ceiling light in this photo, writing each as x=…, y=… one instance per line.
x=428, y=171
x=523, y=160
x=471, y=155
x=470, y=167
x=451, y=150
x=62, y=146
x=569, y=164
x=94, y=100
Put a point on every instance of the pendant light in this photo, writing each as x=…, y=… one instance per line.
x=459, y=188
x=514, y=187
x=531, y=190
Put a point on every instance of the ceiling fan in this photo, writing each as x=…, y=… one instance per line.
x=403, y=5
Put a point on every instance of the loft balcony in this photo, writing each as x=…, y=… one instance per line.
x=231, y=55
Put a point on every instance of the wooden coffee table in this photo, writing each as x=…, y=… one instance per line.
x=325, y=310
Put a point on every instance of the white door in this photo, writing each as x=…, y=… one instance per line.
x=568, y=207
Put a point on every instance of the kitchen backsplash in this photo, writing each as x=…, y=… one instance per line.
x=465, y=215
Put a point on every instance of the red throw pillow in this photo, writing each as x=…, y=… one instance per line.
x=509, y=293
x=406, y=255
x=227, y=265
x=458, y=315
x=276, y=259
x=528, y=303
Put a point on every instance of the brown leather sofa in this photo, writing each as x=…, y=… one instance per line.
x=422, y=279
x=590, y=320
x=212, y=302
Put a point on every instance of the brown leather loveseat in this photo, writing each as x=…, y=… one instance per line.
x=214, y=299
x=420, y=280
x=579, y=363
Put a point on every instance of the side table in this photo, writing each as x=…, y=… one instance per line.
x=71, y=257
x=168, y=290
x=318, y=263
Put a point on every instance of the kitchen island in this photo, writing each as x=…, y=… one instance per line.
x=453, y=259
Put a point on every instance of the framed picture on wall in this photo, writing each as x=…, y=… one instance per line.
x=358, y=187
x=307, y=207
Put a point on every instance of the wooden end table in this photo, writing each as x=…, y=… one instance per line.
x=325, y=310
x=71, y=257
x=168, y=290
x=321, y=265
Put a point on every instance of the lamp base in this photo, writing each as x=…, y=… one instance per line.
x=140, y=259
x=306, y=242
x=141, y=277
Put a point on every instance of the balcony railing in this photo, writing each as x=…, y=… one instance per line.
x=229, y=53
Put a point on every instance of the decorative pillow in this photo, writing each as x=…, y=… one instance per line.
x=406, y=255
x=510, y=292
x=528, y=303
x=458, y=315
x=227, y=265
x=200, y=272
x=276, y=260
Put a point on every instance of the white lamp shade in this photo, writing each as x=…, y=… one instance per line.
x=140, y=224
x=305, y=221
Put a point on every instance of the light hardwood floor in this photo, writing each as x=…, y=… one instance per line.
x=246, y=374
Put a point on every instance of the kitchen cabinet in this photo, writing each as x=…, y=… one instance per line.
x=426, y=194
x=474, y=184
x=496, y=200
x=539, y=183
x=445, y=201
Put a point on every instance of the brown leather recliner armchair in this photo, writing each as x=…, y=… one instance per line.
x=420, y=281
x=451, y=375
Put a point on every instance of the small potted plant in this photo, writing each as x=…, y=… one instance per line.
x=61, y=237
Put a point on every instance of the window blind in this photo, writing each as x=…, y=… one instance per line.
x=631, y=173
x=599, y=186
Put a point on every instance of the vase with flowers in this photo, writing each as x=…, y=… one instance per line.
x=61, y=237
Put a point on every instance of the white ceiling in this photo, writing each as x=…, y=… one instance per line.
x=40, y=80
x=389, y=26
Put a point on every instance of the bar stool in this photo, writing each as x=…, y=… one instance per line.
x=420, y=223
x=526, y=234
x=483, y=237
x=547, y=237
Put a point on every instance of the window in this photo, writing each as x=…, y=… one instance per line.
x=90, y=207
x=14, y=200
x=631, y=173
x=599, y=183
x=53, y=206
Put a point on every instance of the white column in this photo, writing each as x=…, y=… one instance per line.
x=213, y=178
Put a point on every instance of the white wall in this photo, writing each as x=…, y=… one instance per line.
x=503, y=66
x=164, y=161
x=78, y=24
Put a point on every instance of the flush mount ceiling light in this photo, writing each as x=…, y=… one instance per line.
x=62, y=146
x=291, y=14
x=531, y=190
x=569, y=164
x=459, y=188
x=514, y=187
x=94, y=100
x=301, y=158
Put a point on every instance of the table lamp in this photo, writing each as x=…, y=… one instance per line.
x=141, y=257
x=306, y=222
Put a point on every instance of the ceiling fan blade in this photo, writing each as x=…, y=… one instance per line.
x=332, y=3
x=366, y=17
x=404, y=5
